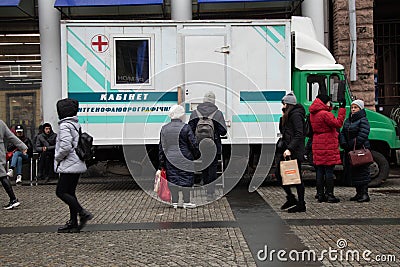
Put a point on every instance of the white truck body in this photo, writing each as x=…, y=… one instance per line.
x=247, y=64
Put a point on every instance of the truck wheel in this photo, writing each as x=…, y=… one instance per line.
x=379, y=169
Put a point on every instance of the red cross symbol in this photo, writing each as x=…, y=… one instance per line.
x=98, y=42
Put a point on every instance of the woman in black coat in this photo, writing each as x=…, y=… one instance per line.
x=291, y=126
x=177, y=150
x=355, y=131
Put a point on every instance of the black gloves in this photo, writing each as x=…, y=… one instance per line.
x=343, y=103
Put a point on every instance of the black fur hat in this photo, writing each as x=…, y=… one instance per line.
x=67, y=107
x=324, y=98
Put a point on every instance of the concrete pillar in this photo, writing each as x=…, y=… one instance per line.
x=314, y=9
x=181, y=9
x=50, y=51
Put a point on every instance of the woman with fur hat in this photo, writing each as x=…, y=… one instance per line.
x=291, y=126
x=177, y=150
x=325, y=146
x=69, y=165
x=355, y=132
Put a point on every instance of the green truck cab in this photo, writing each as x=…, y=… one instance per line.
x=384, y=134
x=315, y=71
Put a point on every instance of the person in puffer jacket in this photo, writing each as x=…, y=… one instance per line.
x=325, y=146
x=177, y=150
x=291, y=126
x=68, y=164
x=355, y=133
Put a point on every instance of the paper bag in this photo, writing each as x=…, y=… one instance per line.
x=290, y=172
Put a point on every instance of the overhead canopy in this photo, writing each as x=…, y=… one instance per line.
x=247, y=8
x=240, y=1
x=16, y=8
x=96, y=8
x=98, y=3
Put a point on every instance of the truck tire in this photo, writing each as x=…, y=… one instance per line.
x=379, y=169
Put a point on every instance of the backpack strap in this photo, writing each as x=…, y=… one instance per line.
x=209, y=117
x=79, y=131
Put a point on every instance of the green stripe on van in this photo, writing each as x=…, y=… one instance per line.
x=88, y=48
x=75, y=84
x=256, y=118
x=125, y=119
x=72, y=52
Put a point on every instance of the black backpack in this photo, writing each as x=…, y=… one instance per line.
x=84, y=149
x=205, y=127
x=308, y=131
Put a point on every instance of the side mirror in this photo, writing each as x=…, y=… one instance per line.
x=341, y=91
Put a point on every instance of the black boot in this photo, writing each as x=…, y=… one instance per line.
x=300, y=207
x=290, y=201
x=84, y=216
x=364, y=197
x=358, y=194
x=329, y=191
x=69, y=227
x=320, y=191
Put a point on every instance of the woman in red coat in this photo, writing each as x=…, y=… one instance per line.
x=325, y=146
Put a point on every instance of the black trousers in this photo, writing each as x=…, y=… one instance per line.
x=65, y=190
x=7, y=186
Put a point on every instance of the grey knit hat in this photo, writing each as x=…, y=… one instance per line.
x=359, y=103
x=290, y=98
x=209, y=97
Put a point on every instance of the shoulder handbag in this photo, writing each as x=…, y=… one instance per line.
x=359, y=157
x=290, y=172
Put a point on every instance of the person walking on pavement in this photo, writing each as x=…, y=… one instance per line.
x=7, y=135
x=209, y=110
x=355, y=133
x=177, y=150
x=68, y=164
x=18, y=157
x=45, y=145
x=325, y=145
x=291, y=127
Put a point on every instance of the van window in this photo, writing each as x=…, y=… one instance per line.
x=132, y=62
x=316, y=84
x=334, y=85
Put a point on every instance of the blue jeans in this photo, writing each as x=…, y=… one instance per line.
x=16, y=161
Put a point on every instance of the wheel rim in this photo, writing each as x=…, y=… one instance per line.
x=374, y=170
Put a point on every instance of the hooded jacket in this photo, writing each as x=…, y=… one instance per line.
x=293, y=132
x=65, y=159
x=325, y=144
x=46, y=140
x=206, y=109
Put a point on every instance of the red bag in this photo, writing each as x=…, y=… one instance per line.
x=163, y=191
x=9, y=155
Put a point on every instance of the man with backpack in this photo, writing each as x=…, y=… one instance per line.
x=208, y=124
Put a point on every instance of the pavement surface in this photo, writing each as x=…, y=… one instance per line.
x=131, y=228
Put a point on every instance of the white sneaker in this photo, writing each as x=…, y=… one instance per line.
x=175, y=205
x=19, y=179
x=10, y=173
x=189, y=205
